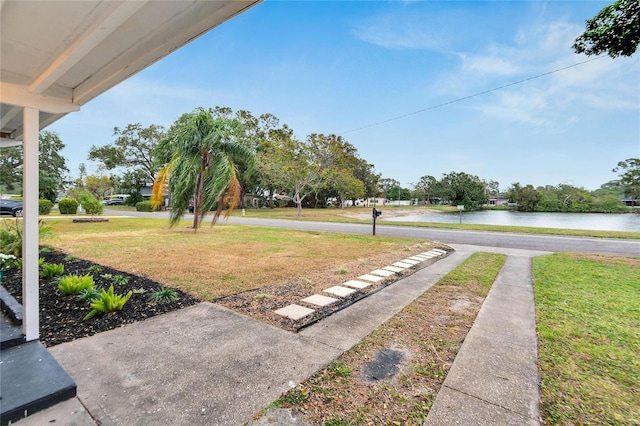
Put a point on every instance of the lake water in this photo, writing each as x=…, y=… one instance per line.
x=593, y=221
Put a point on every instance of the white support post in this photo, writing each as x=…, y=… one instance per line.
x=30, y=253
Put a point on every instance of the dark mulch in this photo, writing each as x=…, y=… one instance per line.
x=61, y=317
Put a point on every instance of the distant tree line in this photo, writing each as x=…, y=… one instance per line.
x=211, y=158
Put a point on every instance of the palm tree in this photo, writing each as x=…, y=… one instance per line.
x=200, y=153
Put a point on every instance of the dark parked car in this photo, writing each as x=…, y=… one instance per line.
x=12, y=207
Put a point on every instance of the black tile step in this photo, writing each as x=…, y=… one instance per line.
x=32, y=380
x=10, y=334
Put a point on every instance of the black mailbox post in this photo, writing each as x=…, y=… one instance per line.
x=376, y=213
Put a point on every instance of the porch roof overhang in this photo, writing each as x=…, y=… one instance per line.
x=55, y=56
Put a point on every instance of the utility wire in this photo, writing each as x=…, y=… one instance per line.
x=473, y=96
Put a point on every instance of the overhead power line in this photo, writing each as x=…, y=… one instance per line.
x=472, y=96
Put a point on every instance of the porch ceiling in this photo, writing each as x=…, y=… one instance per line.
x=58, y=55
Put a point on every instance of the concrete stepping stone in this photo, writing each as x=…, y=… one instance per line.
x=339, y=291
x=439, y=251
x=383, y=272
x=409, y=261
x=295, y=312
x=319, y=300
x=417, y=258
x=394, y=268
x=356, y=284
x=372, y=278
x=420, y=256
x=402, y=265
x=432, y=254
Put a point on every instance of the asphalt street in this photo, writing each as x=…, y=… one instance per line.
x=553, y=243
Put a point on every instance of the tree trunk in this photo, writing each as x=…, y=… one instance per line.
x=271, y=198
x=197, y=202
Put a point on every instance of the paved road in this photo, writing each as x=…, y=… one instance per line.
x=448, y=236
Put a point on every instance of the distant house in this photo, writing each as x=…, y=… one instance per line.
x=630, y=202
x=497, y=202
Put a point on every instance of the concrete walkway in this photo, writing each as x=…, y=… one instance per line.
x=206, y=365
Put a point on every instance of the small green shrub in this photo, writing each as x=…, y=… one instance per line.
x=88, y=294
x=50, y=270
x=94, y=269
x=90, y=204
x=44, y=206
x=68, y=206
x=71, y=258
x=74, y=284
x=144, y=206
x=44, y=250
x=107, y=302
x=163, y=295
x=120, y=279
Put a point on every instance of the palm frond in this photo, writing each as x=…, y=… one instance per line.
x=157, y=192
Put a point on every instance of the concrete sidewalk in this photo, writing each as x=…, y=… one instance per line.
x=206, y=365
x=494, y=378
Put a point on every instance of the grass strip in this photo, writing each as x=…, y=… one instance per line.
x=588, y=315
x=429, y=332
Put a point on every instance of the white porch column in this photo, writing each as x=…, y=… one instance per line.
x=30, y=252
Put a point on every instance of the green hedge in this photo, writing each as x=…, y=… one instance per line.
x=44, y=206
x=144, y=206
x=68, y=206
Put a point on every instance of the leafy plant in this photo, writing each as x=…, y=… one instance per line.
x=341, y=270
x=120, y=279
x=68, y=206
x=74, y=284
x=11, y=236
x=18, y=262
x=163, y=295
x=145, y=206
x=88, y=294
x=71, y=258
x=94, y=269
x=91, y=204
x=107, y=302
x=44, y=250
x=106, y=276
x=50, y=270
x=140, y=290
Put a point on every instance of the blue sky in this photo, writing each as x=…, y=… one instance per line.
x=340, y=67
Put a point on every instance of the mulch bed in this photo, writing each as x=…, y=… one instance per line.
x=61, y=316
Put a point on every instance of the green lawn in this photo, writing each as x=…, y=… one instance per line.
x=588, y=314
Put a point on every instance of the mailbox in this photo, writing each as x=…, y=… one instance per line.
x=376, y=213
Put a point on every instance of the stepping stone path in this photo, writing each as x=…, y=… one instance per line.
x=296, y=312
x=319, y=300
x=340, y=291
x=356, y=284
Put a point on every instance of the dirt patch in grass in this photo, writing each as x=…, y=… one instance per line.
x=426, y=335
x=260, y=303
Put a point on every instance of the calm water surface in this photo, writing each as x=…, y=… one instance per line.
x=594, y=221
